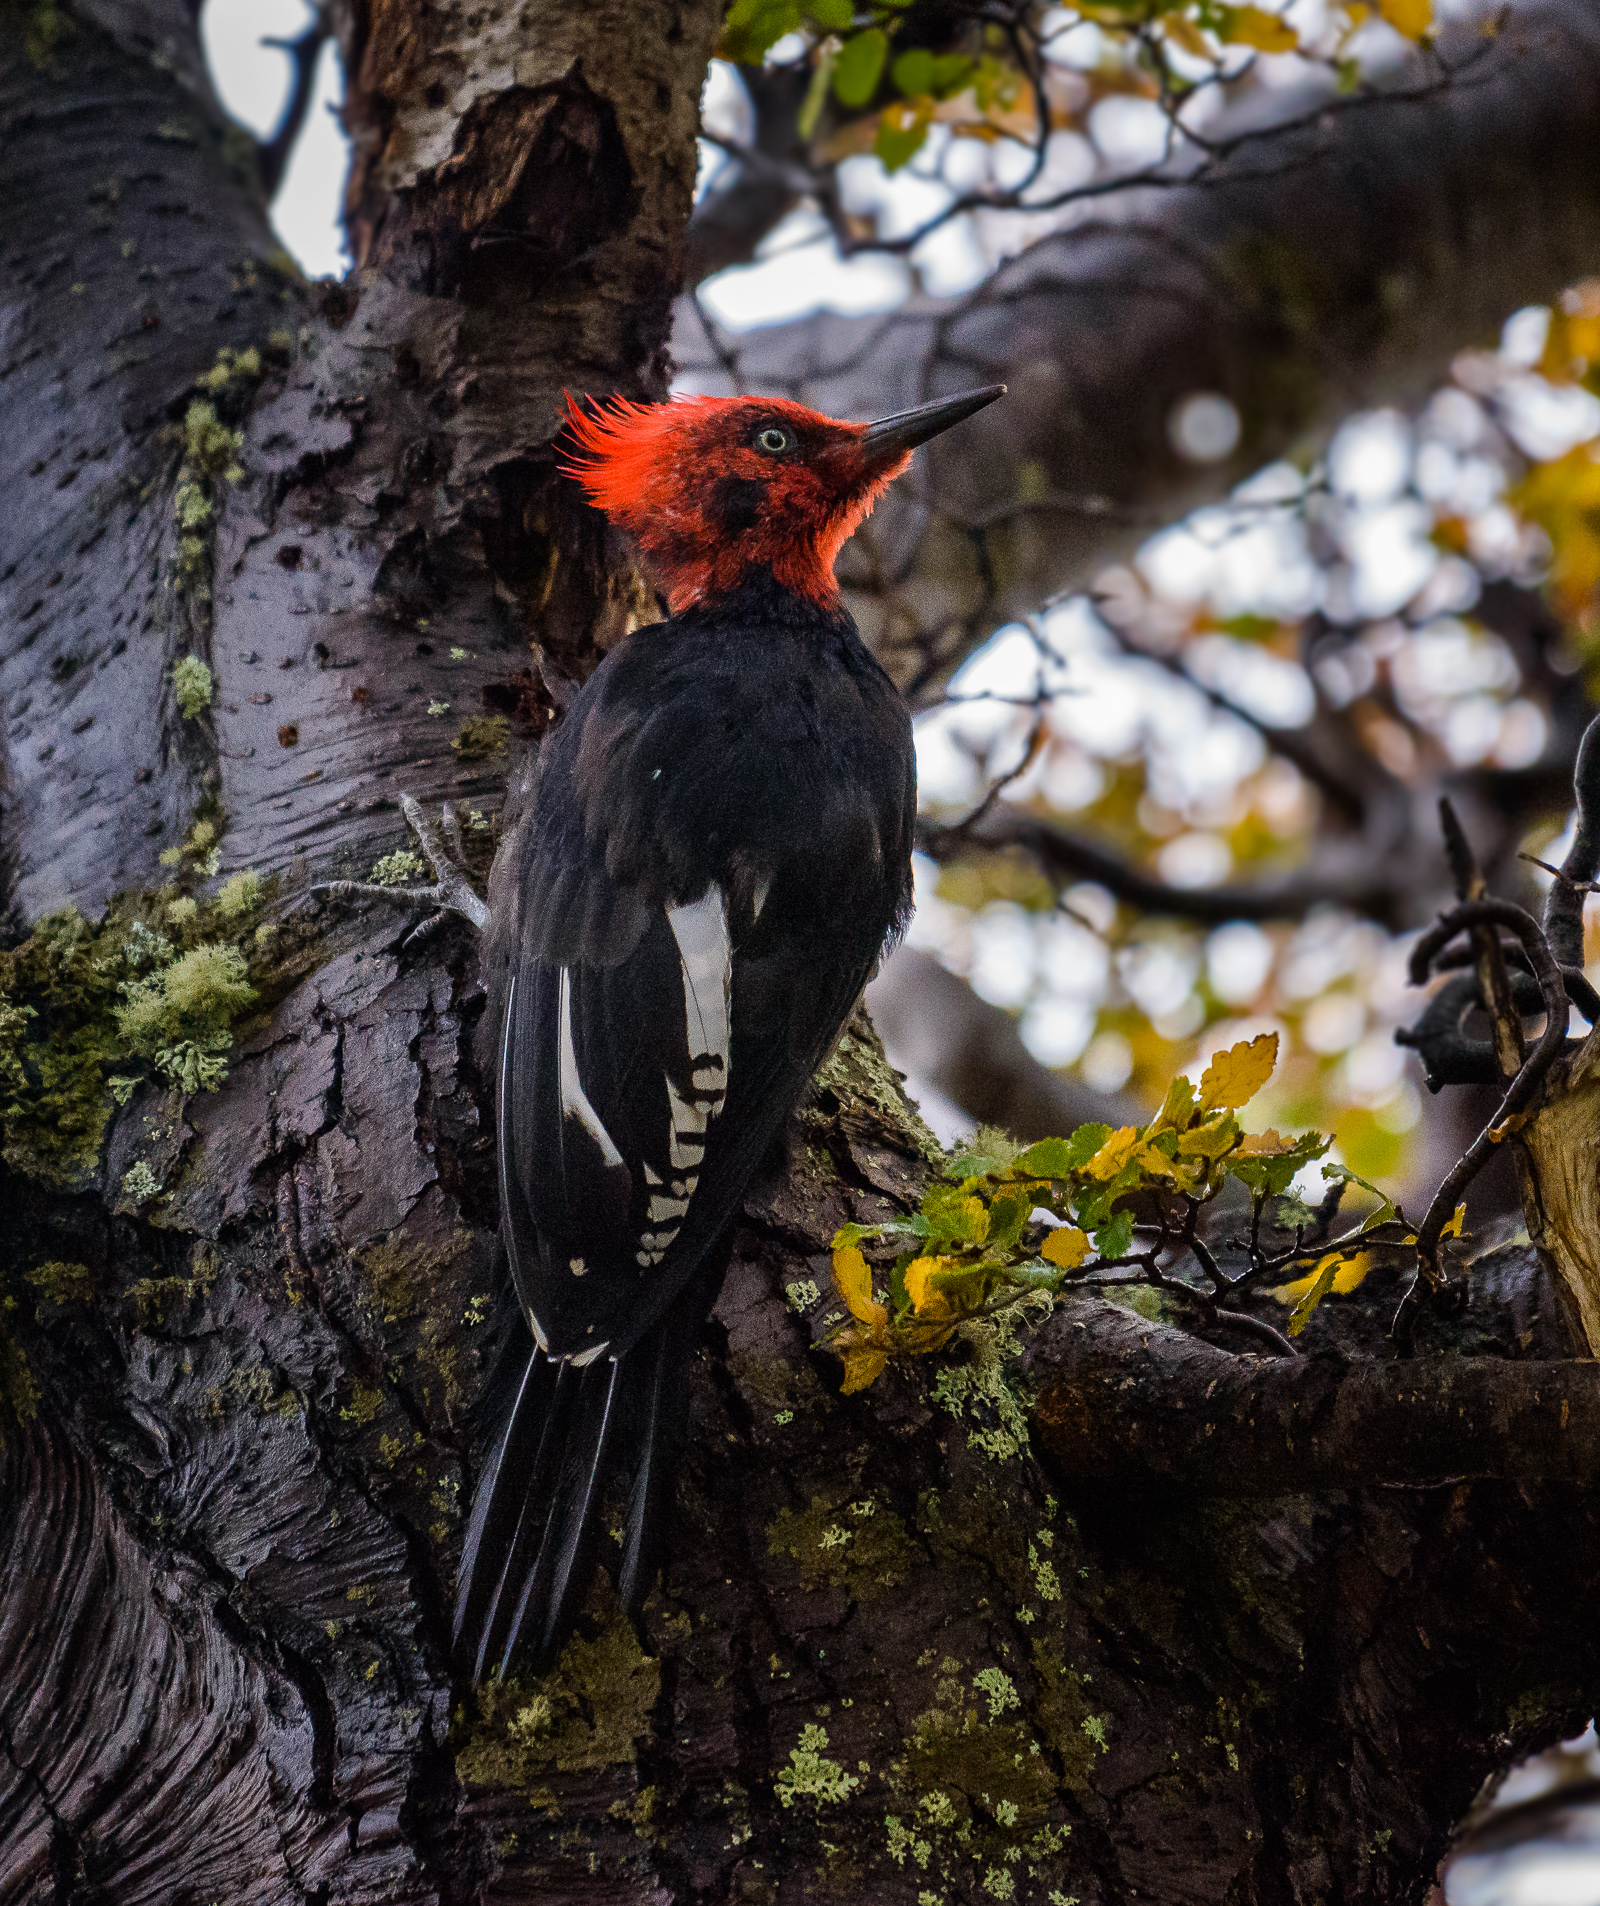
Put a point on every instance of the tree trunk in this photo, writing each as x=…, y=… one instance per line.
x=255, y=1340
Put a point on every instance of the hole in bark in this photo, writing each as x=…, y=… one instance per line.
x=289, y=557
x=406, y=583
x=538, y=177
x=522, y=699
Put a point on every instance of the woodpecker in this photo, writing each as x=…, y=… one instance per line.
x=715, y=853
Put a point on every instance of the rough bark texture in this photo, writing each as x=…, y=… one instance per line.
x=255, y=1340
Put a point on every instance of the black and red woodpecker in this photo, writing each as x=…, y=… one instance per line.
x=716, y=850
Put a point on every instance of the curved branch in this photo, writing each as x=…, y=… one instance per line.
x=1520, y=1092
x=1383, y=891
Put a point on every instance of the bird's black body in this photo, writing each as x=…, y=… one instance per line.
x=717, y=848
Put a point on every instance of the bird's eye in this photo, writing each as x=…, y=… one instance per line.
x=774, y=440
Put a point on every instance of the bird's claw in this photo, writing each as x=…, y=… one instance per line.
x=452, y=890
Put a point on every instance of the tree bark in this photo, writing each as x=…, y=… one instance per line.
x=256, y=1340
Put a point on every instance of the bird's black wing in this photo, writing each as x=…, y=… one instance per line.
x=697, y=910
x=698, y=901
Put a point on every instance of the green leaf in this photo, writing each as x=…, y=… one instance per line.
x=832, y=16
x=1061, y=1157
x=1322, y=1284
x=1387, y=1208
x=1115, y=1236
x=1271, y=1172
x=754, y=25
x=941, y=75
x=1007, y=1216
x=955, y=1216
x=859, y=66
x=1178, y=1107
x=912, y=73
x=901, y=131
x=816, y=93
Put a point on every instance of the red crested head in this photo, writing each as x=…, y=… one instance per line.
x=712, y=488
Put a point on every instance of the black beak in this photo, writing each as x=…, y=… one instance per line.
x=890, y=437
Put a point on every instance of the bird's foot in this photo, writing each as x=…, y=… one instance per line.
x=452, y=890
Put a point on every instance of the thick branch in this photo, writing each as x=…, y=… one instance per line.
x=1121, y=1399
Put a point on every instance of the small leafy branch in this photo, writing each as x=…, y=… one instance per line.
x=1105, y=1207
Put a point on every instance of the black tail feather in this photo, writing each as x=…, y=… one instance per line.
x=661, y=1398
x=501, y=1503
x=535, y=1519
x=571, y=1529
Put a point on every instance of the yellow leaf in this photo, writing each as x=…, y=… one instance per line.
x=1157, y=1163
x=1185, y=33
x=1410, y=17
x=1234, y=1077
x=1265, y=1145
x=850, y=1273
x=1452, y=1228
x=1210, y=1140
x=1348, y=1273
x=1254, y=26
x=925, y=1300
x=1177, y=1108
x=861, y=1367
x=1114, y=1153
x=1065, y=1247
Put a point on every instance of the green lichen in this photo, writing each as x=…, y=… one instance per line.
x=62, y=1283
x=231, y=364
x=58, y=1035
x=45, y=27
x=1001, y=1692
x=401, y=1273
x=193, y=685
x=155, y=1298
x=856, y=1547
x=181, y=1018
x=81, y=1005
x=978, y=1785
x=398, y=869
x=140, y=1184
x=982, y=1391
x=858, y=1075
x=210, y=452
x=1070, y=1730
x=240, y=894
x=585, y=1714
x=209, y=446
x=19, y=1392
x=482, y=738
x=810, y=1775
x=364, y=1404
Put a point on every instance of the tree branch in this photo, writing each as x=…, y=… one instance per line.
x=1120, y=1400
